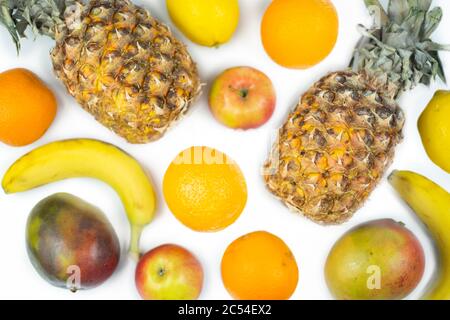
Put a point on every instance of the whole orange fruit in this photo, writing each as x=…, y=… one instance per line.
x=259, y=266
x=27, y=107
x=299, y=33
x=205, y=189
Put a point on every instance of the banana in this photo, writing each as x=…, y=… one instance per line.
x=94, y=159
x=431, y=204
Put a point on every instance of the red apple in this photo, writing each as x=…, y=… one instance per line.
x=242, y=98
x=169, y=272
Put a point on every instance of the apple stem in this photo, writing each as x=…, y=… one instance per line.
x=243, y=93
x=133, y=250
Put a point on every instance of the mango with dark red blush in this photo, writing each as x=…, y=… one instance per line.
x=71, y=243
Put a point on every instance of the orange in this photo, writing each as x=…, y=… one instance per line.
x=259, y=266
x=205, y=189
x=27, y=107
x=299, y=33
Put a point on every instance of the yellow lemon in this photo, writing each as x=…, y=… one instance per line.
x=205, y=189
x=434, y=128
x=205, y=22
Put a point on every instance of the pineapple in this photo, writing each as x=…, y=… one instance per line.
x=122, y=65
x=339, y=140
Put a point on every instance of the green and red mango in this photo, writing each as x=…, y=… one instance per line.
x=71, y=243
x=376, y=260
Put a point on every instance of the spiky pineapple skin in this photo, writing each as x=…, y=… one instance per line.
x=125, y=68
x=334, y=147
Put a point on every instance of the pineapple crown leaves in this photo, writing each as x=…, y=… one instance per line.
x=43, y=16
x=398, y=50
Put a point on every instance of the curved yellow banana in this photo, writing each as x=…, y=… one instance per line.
x=431, y=204
x=94, y=159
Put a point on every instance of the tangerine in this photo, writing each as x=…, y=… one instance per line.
x=27, y=107
x=205, y=189
x=259, y=266
x=299, y=34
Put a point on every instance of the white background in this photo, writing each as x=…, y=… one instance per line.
x=309, y=242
